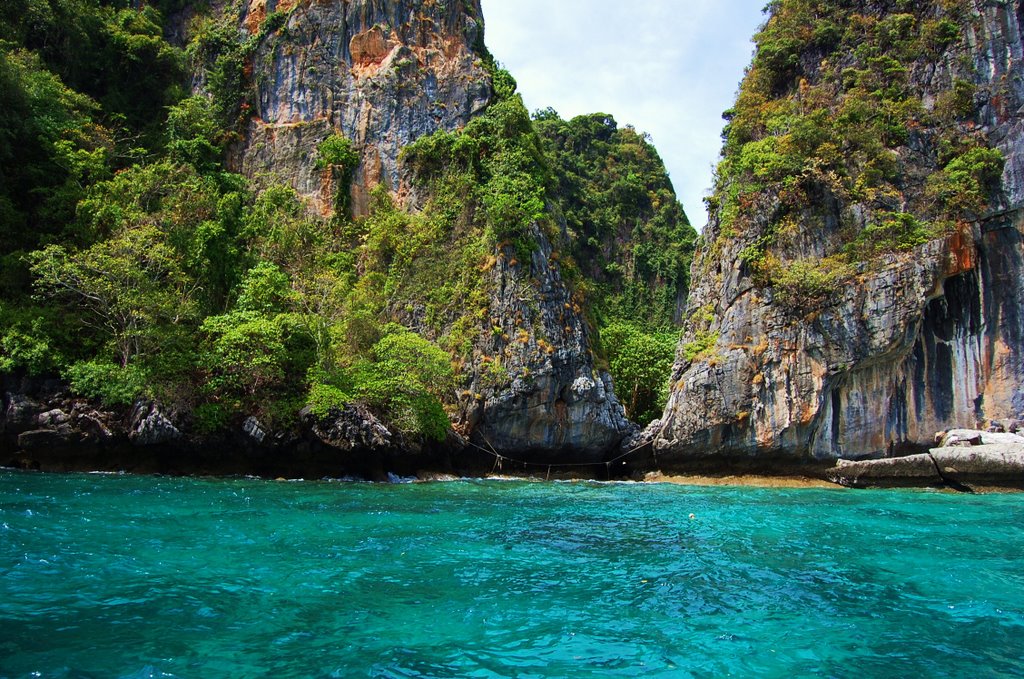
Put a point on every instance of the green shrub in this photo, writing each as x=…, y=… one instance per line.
x=265, y=288
x=939, y=34
x=640, y=362
x=702, y=345
x=111, y=384
x=405, y=381
x=806, y=285
x=211, y=418
x=336, y=151
x=965, y=184
x=893, y=232
x=323, y=399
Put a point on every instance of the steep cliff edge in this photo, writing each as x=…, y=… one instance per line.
x=859, y=287
x=343, y=235
x=382, y=74
x=410, y=89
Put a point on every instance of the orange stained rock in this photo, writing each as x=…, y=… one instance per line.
x=962, y=253
x=257, y=12
x=369, y=48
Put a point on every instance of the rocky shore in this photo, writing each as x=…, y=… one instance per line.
x=43, y=428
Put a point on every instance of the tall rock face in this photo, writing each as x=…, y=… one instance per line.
x=537, y=393
x=859, y=287
x=381, y=73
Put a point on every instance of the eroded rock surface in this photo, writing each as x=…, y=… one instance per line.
x=381, y=73
x=918, y=342
x=560, y=406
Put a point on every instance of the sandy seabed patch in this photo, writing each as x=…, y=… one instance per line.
x=751, y=480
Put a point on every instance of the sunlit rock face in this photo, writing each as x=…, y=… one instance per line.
x=380, y=72
x=384, y=73
x=919, y=341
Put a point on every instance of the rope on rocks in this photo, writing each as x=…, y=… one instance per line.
x=499, y=459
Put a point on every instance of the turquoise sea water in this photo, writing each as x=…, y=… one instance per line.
x=119, y=576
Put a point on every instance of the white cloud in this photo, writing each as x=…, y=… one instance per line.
x=667, y=67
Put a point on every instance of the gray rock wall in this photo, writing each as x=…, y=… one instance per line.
x=380, y=72
x=930, y=340
x=554, y=404
x=384, y=73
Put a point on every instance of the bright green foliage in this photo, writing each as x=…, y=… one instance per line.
x=701, y=346
x=49, y=149
x=494, y=163
x=336, y=150
x=265, y=289
x=193, y=134
x=198, y=215
x=405, y=354
x=627, y=230
x=325, y=399
x=111, y=384
x=337, y=155
x=403, y=404
x=640, y=362
x=404, y=378
x=130, y=287
x=27, y=342
x=965, y=184
x=806, y=285
x=894, y=232
x=247, y=352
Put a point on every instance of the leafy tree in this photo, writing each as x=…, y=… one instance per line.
x=129, y=286
x=640, y=362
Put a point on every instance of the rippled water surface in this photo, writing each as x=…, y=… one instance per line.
x=107, y=576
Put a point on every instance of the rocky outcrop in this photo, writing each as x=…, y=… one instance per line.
x=536, y=392
x=381, y=74
x=150, y=426
x=913, y=342
x=352, y=428
x=966, y=458
x=53, y=431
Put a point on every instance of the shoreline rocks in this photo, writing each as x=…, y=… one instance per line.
x=965, y=458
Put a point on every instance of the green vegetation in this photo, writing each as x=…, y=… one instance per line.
x=640, y=361
x=133, y=264
x=627, y=230
x=822, y=128
x=701, y=346
x=629, y=248
x=337, y=155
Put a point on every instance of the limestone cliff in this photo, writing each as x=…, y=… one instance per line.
x=859, y=286
x=383, y=74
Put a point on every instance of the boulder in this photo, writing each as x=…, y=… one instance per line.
x=972, y=437
x=913, y=470
x=20, y=413
x=91, y=426
x=150, y=426
x=53, y=418
x=351, y=428
x=1000, y=464
x=254, y=430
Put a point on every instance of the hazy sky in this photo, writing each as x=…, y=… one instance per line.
x=667, y=67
